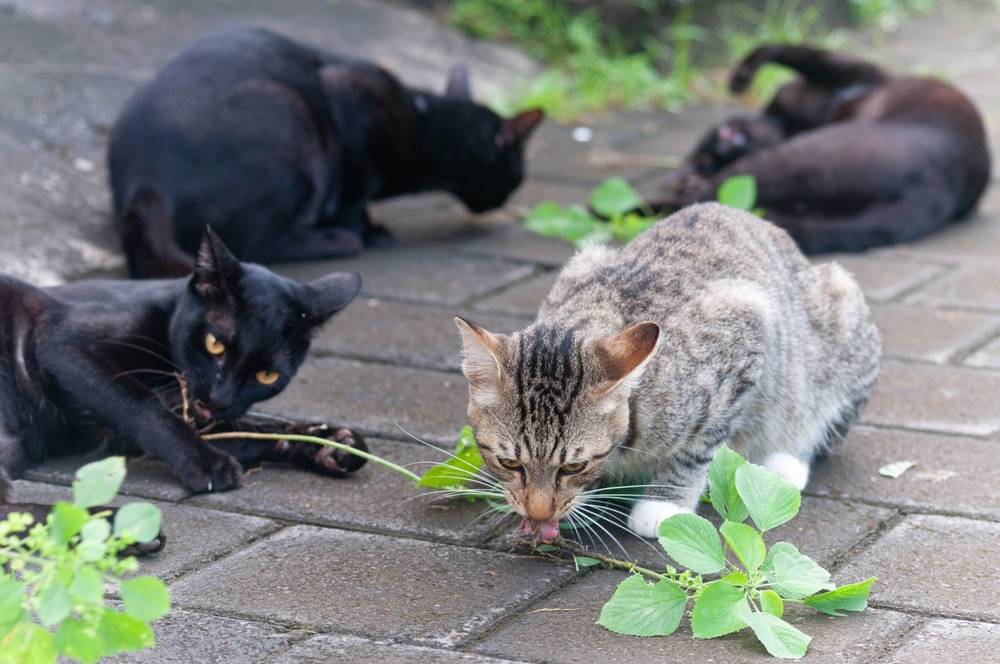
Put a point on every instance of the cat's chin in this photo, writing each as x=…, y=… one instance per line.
x=647, y=514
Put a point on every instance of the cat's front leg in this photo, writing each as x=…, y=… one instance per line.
x=675, y=489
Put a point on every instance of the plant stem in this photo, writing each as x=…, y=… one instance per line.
x=236, y=435
x=613, y=563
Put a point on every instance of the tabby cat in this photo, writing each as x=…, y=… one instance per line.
x=709, y=329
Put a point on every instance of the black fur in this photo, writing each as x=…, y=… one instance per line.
x=847, y=156
x=280, y=147
x=102, y=363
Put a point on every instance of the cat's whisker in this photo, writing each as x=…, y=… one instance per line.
x=595, y=521
x=471, y=480
x=444, y=451
x=611, y=515
x=166, y=360
x=578, y=526
x=632, y=486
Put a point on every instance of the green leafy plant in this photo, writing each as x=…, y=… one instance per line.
x=459, y=469
x=53, y=576
x=740, y=192
x=751, y=584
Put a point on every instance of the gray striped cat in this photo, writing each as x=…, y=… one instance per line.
x=709, y=329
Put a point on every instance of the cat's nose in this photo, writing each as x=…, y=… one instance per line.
x=540, y=506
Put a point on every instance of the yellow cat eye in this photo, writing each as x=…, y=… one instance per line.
x=268, y=377
x=573, y=467
x=213, y=345
x=509, y=464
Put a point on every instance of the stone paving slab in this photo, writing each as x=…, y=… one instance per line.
x=936, y=564
x=375, y=398
x=402, y=333
x=184, y=637
x=371, y=585
x=930, y=335
x=523, y=299
x=934, y=398
x=973, y=286
x=146, y=477
x=505, y=238
x=950, y=641
x=419, y=274
x=563, y=630
x=185, y=527
x=953, y=474
x=987, y=357
x=886, y=274
x=977, y=237
x=373, y=499
x=323, y=649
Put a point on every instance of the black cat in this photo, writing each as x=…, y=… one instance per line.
x=847, y=156
x=115, y=362
x=280, y=147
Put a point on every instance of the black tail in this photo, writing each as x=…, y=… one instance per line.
x=823, y=68
x=147, y=233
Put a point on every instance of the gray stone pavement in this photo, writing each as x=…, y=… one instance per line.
x=298, y=568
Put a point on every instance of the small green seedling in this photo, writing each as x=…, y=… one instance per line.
x=459, y=470
x=617, y=212
x=751, y=584
x=53, y=576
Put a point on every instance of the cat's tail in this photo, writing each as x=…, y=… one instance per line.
x=148, y=237
x=823, y=68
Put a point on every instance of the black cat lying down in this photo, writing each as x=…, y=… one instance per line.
x=280, y=147
x=113, y=362
x=847, y=156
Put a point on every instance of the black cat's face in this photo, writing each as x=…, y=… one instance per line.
x=241, y=332
x=732, y=139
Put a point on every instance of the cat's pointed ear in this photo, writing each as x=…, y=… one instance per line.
x=216, y=270
x=327, y=295
x=482, y=363
x=622, y=357
x=458, y=85
x=518, y=128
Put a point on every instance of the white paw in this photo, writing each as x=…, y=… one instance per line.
x=646, y=515
x=793, y=469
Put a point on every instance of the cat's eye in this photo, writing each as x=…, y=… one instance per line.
x=268, y=377
x=573, y=467
x=509, y=464
x=213, y=345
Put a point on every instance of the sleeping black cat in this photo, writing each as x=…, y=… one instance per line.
x=109, y=362
x=280, y=147
x=847, y=156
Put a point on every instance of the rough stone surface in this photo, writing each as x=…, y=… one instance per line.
x=370, y=584
x=932, y=398
x=563, y=630
x=950, y=641
x=523, y=298
x=374, y=499
x=931, y=335
x=975, y=286
x=146, y=477
x=953, y=474
x=987, y=357
x=323, y=649
x=886, y=274
x=936, y=564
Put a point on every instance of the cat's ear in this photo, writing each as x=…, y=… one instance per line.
x=622, y=357
x=458, y=85
x=216, y=271
x=327, y=295
x=482, y=365
x=518, y=128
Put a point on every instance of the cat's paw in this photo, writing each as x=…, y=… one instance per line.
x=212, y=470
x=793, y=469
x=646, y=515
x=325, y=460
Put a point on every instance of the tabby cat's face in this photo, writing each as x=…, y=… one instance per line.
x=240, y=332
x=549, y=409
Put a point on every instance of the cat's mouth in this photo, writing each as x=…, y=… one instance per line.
x=546, y=531
x=202, y=415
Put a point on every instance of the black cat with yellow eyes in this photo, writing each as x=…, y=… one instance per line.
x=148, y=365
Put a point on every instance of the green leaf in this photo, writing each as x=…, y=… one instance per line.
x=78, y=642
x=781, y=639
x=120, y=632
x=639, y=608
x=735, y=579
x=851, y=597
x=693, y=542
x=614, y=196
x=585, y=561
x=717, y=610
x=12, y=596
x=28, y=643
x=98, y=483
x=738, y=191
x=456, y=472
x=92, y=551
x=550, y=219
x=65, y=521
x=87, y=587
x=54, y=604
x=746, y=543
x=96, y=530
x=793, y=574
x=145, y=598
x=722, y=485
x=546, y=548
x=770, y=499
x=771, y=602
x=139, y=521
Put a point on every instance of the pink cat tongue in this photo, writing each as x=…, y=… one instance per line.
x=547, y=530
